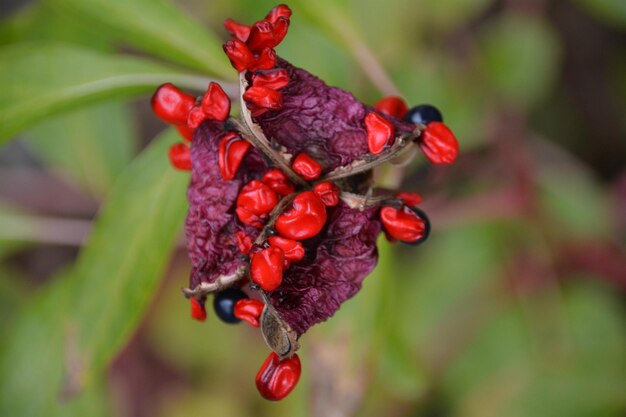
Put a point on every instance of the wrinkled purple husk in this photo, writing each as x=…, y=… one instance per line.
x=327, y=123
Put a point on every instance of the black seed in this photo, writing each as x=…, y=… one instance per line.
x=424, y=114
x=426, y=221
x=224, y=304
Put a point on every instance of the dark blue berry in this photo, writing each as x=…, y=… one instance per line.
x=424, y=114
x=426, y=221
x=224, y=304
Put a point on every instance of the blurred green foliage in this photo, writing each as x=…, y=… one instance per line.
x=483, y=320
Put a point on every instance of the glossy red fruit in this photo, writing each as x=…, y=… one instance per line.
x=215, y=103
x=266, y=60
x=249, y=310
x=261, y=36
x=195, y=117
x=238, y=30
x=293, y=250
x=392, y=106
x=305, y=219
x=233, y=149
x=274, y=79
x=185, y=131
x=255, y=199
x=379, y=132
x=403, y=224
x=264, y=97
x=244, y=242
x=282, y=10
x=266, y=268
x=171, y=105
x=439, y=143
x=277, y=378
x=307, y=167
x=280, y=28
x=180, y=156
x=198, y=312
x=239, y=54
x=410, y=199
x=328, y=193
x=278, y=181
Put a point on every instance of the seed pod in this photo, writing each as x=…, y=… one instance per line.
x=249, y=310
x=328, y=193
x=215, y=103
x=232, y=151
x=293, y=250
x=180, y=156
x=171, y=105
x=277, y=378
x=266, y=268
x=439, y=144
x=278, y=181
x=379, y=132
x=305, y=219
x=404, y=224
x=392, y=106
x=307, y=167
x=239, y=54
x=224, y=304
x=198, y=312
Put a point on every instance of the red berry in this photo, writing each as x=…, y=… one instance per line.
x=249, y=310
x=392, y=106
x=277, y=378
x=278, y=181
x=185, y=131
x=305, y=219
x=244, y=242
x=171, y=105
x=198, y=312
x=238, y=30
x=439, y=144
x=266, y=60
x=180, y=156
x=293, y=250
x=239, y=54
x=280, y=28
x=257, y=197
x=410, y=199
x=245, y=216
x=195, y=117
x=255, y=201
x=261, y=36
x=215, y=103
x=232, y=151
x=379, y=132
x=264, y=97
x=307, y=167
x=274, y=79
x=282, y=10
x=403, y=224
x=328, y=193
x=266, y=268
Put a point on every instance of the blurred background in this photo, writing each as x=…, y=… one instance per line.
x=514, y=307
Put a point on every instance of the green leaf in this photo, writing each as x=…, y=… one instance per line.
x=158, y=27
x=67, y=336
x=90, y=146
x=41, y=79
x=521, y=56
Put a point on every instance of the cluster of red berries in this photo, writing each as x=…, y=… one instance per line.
x=289, y=203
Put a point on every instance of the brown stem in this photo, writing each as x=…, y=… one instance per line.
x=254, y=134
x=370, y=161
